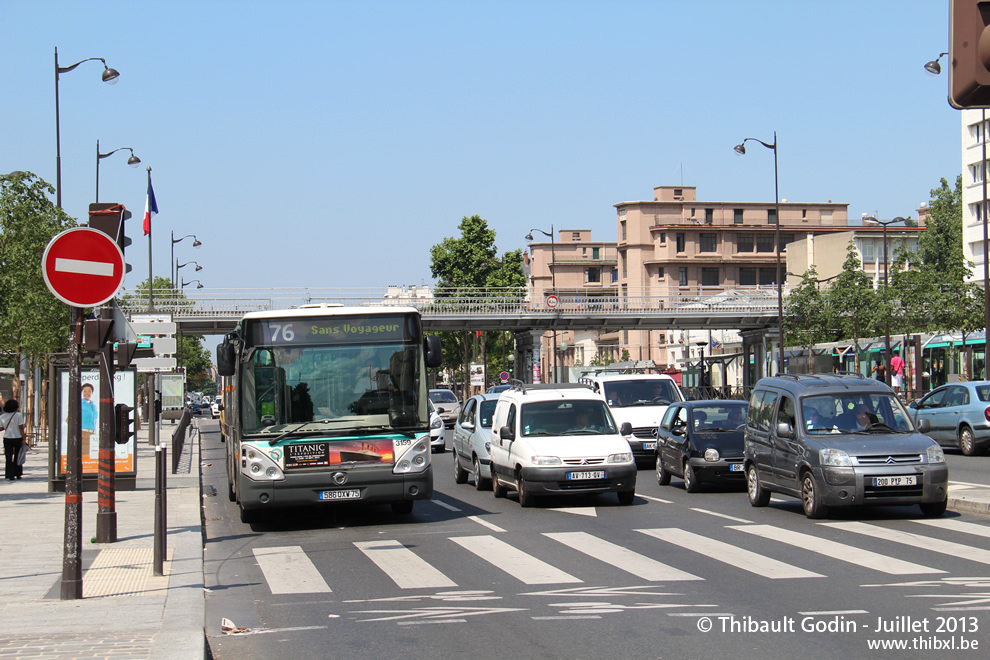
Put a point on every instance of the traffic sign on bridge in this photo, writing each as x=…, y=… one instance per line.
x=83, y=267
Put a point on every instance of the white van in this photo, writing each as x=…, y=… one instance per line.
x=559, y=439
x=641, y=400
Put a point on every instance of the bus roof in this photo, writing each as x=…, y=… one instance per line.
x=302, y=312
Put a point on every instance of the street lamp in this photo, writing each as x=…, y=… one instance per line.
x=196, y=244
x=934, y=69
x=886, y=369
x=178, y=266
x=110, y=77
x=741, y=150
x=553, y=285
x=199, y=285
x=133, y=161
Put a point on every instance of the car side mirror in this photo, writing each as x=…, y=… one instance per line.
x=440, y=410
x=625, y=428
x=924, y=425
x=468, y=426
x=505, y=433
x=678, y=430
x=785, y=430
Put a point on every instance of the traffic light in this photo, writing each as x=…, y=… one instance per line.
x=97, y=334
x=969, y=50
x=110, y=219
x=122, y=414
x=125, y=353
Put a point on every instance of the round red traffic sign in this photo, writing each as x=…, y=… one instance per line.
x=552, y=301
x=83, y=267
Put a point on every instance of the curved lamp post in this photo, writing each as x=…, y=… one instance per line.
x=110, y=77
x=196, y=244
x=741, y=150
x=553, y=285
x=133, y=161
x=199, y=285
x=178, y=266
x=934, y=68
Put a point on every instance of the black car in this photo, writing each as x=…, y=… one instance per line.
x=702, y=441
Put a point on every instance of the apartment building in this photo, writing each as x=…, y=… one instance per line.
x=974, y=173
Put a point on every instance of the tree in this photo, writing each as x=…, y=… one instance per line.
x=34, y=322
x=854, y=301
x=807, y=315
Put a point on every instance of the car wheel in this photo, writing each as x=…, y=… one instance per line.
x=967, y=443
x=402, y=506
x=758, y=495
x=663, y=477
x=525, y=497
x=626, y=497
x=934, y=509
x=480, y=483
x=691, y=482
x=811, y=499
x=460, y=474
x=498, y=490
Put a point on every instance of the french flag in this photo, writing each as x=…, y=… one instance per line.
x=150, y=207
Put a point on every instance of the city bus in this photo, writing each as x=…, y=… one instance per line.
x=327, y=404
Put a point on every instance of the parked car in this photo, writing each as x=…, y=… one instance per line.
x=641, y=400
x=472, y=440
x=959, y=415
x=215, y=409
x=559, y=439
x=438, y=442
x=835, y=440
x=447, y=405
x=702, y=441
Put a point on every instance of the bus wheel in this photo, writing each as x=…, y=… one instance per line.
x=402, y=507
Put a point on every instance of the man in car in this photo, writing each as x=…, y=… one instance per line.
x=864, y=417
x=735, y=419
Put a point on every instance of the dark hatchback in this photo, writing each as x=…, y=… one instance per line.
x=702, y=441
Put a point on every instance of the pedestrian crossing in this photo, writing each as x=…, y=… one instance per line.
x=416, y=565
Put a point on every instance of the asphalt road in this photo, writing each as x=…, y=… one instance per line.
x=676, y=575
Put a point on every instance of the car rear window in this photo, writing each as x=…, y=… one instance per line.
x=442, y=396
x=983, y=391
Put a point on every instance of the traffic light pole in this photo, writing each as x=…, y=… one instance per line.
x=106, y=517
x=71, y=585
x=161, y=524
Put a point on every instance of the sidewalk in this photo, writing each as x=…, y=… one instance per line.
x=126, y=611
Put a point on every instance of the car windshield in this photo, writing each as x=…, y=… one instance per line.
x=720, y=417
x=486, y=413
x=442, y=396
x=567, y=417
x=641, y=392
x=872, y=412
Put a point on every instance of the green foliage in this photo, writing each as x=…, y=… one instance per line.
x=940, y=249
x=33, y=322
x=808, y=313
x=854, y=302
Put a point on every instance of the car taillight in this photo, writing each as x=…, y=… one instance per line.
x=986, y=413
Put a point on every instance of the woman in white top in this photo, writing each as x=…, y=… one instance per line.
x=13, y=437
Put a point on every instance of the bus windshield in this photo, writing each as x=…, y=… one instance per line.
x=351, y=386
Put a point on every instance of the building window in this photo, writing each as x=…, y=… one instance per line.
x=826, y=217
x=709, y=277
x=708, y=242
x=785, y=240
x=744, y=243
x=575, y=236
x=747, y=277
x=593, y=275
x=767, y=277
x=663, y=238
x=804, y=213
x=737, y=216
x=772, y=216
x=764, y=243
x=615, y=275
x=682, y=276
x=622, y=229
x=596, y=253
x=869, y=250
x=624, y=262
x=680, y=242
x=678, y=192
x=709, y=216
x=660, y=273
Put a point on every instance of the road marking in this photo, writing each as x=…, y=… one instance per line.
x=82, y=267
x=958, y=526
x=729, y=554
x=834, y=613
x=655, y=499
x=722, y=515
x=840, y=551
x=578, y=511
x=445, y=505
x=288, y=570
x=401, y=564
x=515, y=562
x=485, y=523
x=916, y=540
x=622, y=558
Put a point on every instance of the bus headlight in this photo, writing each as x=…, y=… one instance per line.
x=416, y=458
x=258, y=466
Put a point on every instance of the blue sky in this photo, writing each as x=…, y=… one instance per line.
x=329, y=144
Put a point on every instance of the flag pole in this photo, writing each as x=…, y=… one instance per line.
x=151, y=277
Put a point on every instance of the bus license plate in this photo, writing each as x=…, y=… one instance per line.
x=352, y=494
x=649, y=445
x=909, y=480
x=576, y=476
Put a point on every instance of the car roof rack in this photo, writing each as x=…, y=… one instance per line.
x=519, y=386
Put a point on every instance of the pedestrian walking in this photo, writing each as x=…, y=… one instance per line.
x=14, y=437
x=880, y=370
x=896, y=371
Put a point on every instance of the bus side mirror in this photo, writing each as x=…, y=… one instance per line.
x=434, y=351
x=225, y=358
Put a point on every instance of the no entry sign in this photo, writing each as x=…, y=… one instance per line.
x=83, y=267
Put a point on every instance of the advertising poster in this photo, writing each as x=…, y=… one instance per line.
x=123, y=392
x=478, y=375
x=325, y=454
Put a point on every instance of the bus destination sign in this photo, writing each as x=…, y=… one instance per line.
x=314, y=331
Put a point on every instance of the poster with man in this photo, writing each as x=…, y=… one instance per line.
x=123, y=392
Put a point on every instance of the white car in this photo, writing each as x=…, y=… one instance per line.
x=438, y=443
x=559, y=439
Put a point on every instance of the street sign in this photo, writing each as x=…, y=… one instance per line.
x=552, y=301
x=146, y=328
x=155, y=364
x=83, y=267
x=504, y=376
